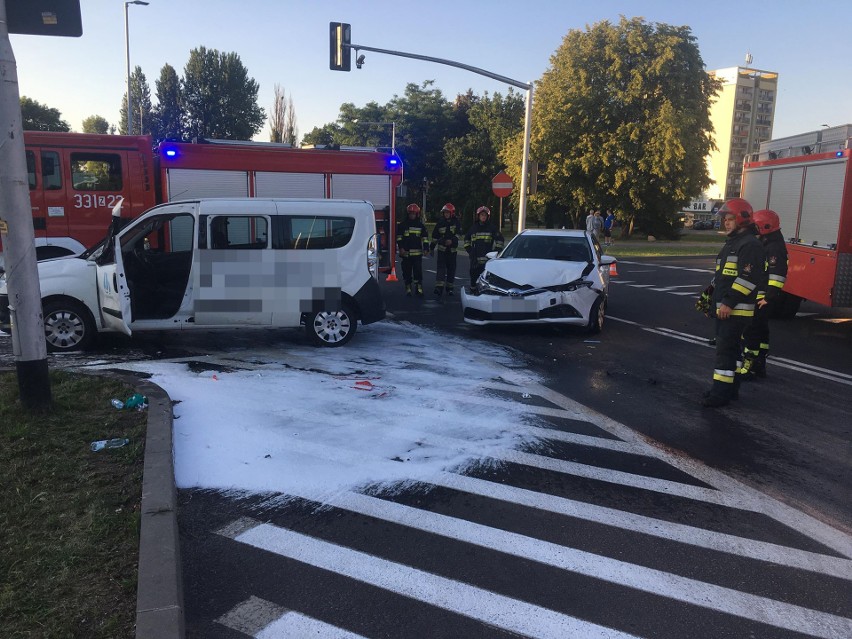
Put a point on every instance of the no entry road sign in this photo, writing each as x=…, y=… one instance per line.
x=502, y=184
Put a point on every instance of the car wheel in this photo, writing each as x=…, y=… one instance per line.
x=68, y=326
x=596, y=316
x=331, y=328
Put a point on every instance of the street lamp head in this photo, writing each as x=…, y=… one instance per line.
x=137, y=2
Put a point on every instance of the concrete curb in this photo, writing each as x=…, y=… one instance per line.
x=159, y=597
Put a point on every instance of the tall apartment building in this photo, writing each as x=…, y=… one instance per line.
x=742, y=118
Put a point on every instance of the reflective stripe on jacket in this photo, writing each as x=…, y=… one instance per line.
x=412, y=236
x=740, y=269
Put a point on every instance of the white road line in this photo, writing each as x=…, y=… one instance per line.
x=642, y=285
x=294, y=625
x=799, y=367
x=722, y=542
x=745, y=497
x=682, y=533
x=263, y=619
x=677, y=268
x=460, y=598
x=509, y=613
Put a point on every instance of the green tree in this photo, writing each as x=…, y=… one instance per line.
x=40, y=117
x=472, y=160
x=220, y=100
x=324, y=135
x=282, y=118
x=140, y=102
x=95, y=124
x=168, y=114
x=622, y=119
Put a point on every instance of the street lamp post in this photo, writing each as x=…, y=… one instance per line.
x=127, y=57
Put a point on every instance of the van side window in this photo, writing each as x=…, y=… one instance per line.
x=31, y=176
x=317, y=233
x=96, y=171
x=51, y=176
x=239, y=232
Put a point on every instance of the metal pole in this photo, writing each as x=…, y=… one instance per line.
x=525, y=163
x=393, y=137
x=127, y=59
x=16, y=233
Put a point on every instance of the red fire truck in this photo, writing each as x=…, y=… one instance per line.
x=76, y=178
x=807, y=181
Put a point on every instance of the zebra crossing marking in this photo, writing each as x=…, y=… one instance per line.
x=460, y=598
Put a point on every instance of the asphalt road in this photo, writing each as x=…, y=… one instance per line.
x=637, y=514
x=790, y=435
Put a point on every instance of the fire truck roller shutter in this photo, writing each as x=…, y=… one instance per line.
x=373, y=188
x=186, y=184
x=269, y=184
x=821, y=204
x=785, y=195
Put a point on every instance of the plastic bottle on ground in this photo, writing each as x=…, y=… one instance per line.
x=118, y=442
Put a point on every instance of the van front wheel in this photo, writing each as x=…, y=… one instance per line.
x=331, y=328
x=68, y=325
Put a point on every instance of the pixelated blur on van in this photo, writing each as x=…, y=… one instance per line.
x=219, y=263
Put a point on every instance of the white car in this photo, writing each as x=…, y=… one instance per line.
x=543, y=277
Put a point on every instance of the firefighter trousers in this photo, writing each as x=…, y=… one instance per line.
x=412, y=269
x=756, y=334
x=729, y=334
x=446, y=269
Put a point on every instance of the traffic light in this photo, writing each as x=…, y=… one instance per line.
x=340, y=58
x=532, y=184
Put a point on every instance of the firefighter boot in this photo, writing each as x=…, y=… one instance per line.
x=747, y=371
x=419, y=289
x=720, y=394
x=408, y=290
x=450, y=291
x=758, y=367
x=439, y=290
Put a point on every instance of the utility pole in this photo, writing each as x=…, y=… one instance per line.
x=16, y=233
x=56, y=18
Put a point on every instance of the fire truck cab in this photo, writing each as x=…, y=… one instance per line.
x=75, y=179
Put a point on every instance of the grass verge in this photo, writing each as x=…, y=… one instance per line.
x=661, y=249
x=69, y=517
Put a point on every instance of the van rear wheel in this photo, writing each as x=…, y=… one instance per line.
x=68, y=325
x=332, y=328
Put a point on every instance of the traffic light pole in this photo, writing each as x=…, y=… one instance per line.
x=343, y=45
x=16, y=232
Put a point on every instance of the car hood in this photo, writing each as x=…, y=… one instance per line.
x=527, y=272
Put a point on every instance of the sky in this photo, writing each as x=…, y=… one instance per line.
x=286, y=42
x=388, y=408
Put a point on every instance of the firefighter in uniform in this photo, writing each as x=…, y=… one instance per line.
x=769, y=296
x=412, y=240
x=481, y=238
x=740, y=268
x=445, y=245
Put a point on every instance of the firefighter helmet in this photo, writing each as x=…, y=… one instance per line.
x=740, y=209
x=448, y=207
x=483, y=209
x=766, y=221
x=413, y=208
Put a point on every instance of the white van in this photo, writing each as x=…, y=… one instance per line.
x=219, y=263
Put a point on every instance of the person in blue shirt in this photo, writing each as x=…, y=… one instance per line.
x=608, y=223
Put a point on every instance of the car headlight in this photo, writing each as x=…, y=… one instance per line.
x=570, y=286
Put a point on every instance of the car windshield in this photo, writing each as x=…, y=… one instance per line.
x=549, y=247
